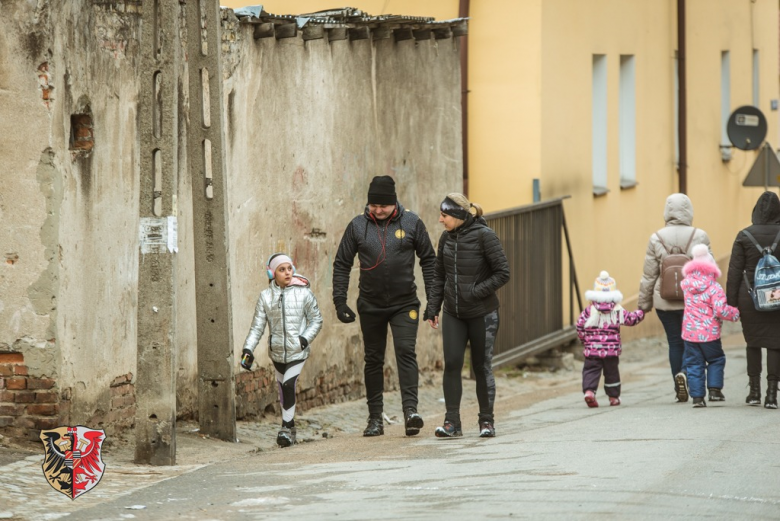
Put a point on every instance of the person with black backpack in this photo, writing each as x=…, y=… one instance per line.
x=760, y=328
x=667, y=252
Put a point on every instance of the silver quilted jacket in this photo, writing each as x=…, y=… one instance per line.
x=290, y=313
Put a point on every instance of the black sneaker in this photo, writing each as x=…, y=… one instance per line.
x=486, y=430
x=286, y=437
x=699, y=402
x=448, y=430
x=374, y=427
x=716, y=395
x=681, y=382
x=413, y=422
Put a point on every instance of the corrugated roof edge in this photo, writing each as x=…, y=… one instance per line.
x=348, y=22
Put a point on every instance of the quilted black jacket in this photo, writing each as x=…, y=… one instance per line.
x=386, y=274
x=470, y=267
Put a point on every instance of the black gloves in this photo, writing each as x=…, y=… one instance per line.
x=428, y=315
x=304, y=342
x=247, y=359
x=345, y=314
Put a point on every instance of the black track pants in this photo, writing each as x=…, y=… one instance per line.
x=480, y=333
x=403, y=323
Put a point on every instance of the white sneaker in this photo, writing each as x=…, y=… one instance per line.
x=682, y=387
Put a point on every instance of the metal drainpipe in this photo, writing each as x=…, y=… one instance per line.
x=682, y=124
x=463, y=12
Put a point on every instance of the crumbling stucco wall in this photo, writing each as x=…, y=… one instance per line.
x=308, y=125
x=69, y=215
x=30, y=198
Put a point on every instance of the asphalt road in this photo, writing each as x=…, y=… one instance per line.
x=553, y=458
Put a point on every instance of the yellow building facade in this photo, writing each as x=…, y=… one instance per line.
x=582, y=95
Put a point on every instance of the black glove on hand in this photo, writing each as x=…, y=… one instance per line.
x=304, y=342
x=247, y=359
x=345, y=314
x=428, y=315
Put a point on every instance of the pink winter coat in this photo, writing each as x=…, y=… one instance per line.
x=603, y=339
x=705, y=302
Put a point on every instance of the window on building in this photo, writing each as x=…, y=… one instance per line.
x=676, y=75
x=627, y=121
x=599, y=130
x=756, y=78
x=725, y=104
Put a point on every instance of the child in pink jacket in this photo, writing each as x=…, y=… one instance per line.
x=598, y=328
x=705, y=311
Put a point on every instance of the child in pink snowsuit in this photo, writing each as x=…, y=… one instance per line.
x=705, y=311
x=599, y=330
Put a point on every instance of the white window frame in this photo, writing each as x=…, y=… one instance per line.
x=756, y=78
x=725, y=104
x=599, y=124
x=627, y=121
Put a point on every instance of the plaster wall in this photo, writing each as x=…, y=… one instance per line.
x=29, y=193
x=308, y=125
x=505, y=113
x=69, y=231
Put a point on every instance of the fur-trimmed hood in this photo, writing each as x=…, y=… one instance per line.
x=615, y=297
x=700, y=275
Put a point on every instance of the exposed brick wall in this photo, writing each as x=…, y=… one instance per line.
x=121, y=416
x=117, y=413
x=27, y=404
x=257, y=392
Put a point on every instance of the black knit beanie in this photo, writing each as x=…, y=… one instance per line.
x=382, y=190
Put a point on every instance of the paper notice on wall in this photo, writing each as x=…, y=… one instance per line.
x=173, y=234
x=153, y=234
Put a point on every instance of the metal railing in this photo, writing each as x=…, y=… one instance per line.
x=532, y=307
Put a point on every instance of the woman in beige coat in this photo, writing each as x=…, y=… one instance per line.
x=674, y=237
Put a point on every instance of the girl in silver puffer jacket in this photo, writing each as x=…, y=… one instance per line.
x=290, y=309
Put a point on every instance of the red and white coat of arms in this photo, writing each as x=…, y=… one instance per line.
x=72, y=461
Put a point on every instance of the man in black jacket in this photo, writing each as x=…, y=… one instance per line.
x=385, y=238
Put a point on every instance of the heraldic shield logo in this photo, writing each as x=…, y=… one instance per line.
x=73, y=462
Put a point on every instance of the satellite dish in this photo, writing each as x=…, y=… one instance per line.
x=746, y=128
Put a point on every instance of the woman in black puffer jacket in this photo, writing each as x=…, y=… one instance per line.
x=760, y=328
x=470, y=267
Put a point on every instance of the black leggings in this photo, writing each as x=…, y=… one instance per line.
x=480, y=332
x=286, y=379
x=772, y=363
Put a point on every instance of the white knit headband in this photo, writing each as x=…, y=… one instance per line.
x=277, y=261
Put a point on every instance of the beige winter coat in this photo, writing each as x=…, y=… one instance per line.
x=678, y=215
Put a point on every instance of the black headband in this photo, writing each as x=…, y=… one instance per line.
x=450, y=207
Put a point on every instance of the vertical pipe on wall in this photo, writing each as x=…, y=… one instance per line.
x=463, y=12
x=682, y=104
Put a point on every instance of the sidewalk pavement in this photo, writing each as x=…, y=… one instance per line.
x=25, y=494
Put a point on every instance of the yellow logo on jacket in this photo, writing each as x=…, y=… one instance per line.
x=413, y=314
x=400, y=234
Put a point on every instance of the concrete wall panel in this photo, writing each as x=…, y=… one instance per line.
x=308, y=125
